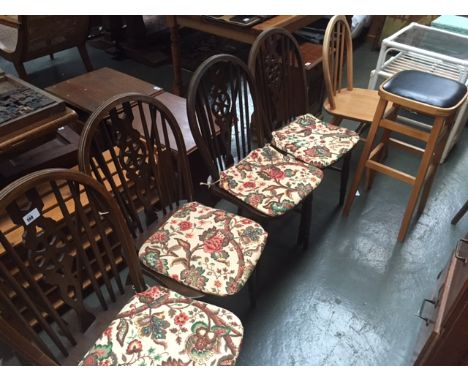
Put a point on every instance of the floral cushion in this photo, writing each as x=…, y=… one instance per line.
x=314, y=141
x=270, y=181
x=162, y=327
x=207, y=249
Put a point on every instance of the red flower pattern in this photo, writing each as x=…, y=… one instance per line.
x=134, y=346
x=249, y=184
x=186, y=343
x=275, y=173
x=152, y=293
x=185, y=225
x=181, y=319
x=255, y=200
x=161, y=236
x=211, y=236
x=214, y=243
x=108, y=332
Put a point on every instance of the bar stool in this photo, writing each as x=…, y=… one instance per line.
x=424, y=93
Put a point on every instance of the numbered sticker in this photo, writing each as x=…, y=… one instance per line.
x=31, y=216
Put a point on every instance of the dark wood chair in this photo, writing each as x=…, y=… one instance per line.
x=224, y=119
x=60, y=281
x=37, y=36
x=277, y=65
x=133, y=145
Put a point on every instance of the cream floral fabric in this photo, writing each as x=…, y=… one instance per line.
x=270, y=181
x=161, y=327
x=207, y=249
x=314, y=141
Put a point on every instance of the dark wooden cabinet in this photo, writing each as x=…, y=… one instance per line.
x=444, y=337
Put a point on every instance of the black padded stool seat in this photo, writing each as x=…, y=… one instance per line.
x=426, y=88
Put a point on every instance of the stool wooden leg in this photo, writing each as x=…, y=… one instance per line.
x=370, y=174
x=422, y=171
x=365, y=155
x=435, y=163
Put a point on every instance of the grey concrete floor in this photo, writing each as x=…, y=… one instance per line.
x=352, y=297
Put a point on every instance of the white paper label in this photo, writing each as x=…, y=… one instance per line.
x=31, y=216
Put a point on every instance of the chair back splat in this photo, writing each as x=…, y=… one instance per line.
x=221, y=110
x=133, y=145
x=277, y=65
x=337, y=56
x=62, y=237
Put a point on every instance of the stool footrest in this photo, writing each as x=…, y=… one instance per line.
x=406, y=146
x=400, y=175
x=404, y=129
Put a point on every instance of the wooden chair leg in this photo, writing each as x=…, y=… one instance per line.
x=344, y=176
x=361, y=128
x=336, y=121
x=19, y=66
x=460, y=213
x=304, y=226
x=420, y=177
x=365, y=155
x=252, y=285
x=85, y=57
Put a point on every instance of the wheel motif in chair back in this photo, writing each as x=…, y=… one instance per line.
x=133, y=157
x=222, y=109
x=272, y=66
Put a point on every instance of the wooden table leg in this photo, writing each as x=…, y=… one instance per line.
x=175, y=51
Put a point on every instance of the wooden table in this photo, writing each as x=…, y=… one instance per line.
x=86, y=92
x=233, y=32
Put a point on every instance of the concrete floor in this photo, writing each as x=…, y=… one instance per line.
x=352, y=297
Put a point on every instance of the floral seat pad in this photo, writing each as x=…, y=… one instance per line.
x=270, y=181
x=314, y=141
x=207, y=249
x=162, y=327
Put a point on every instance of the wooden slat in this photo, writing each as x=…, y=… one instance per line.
x=405, y=130
x=400, y=175
x=406, y=146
